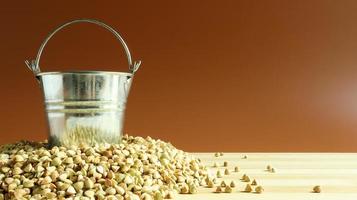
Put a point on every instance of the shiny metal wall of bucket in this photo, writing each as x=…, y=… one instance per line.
x=85, y=107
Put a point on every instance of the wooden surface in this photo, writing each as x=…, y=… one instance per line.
x=295, y=176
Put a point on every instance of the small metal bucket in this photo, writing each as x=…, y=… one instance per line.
x=84, y=107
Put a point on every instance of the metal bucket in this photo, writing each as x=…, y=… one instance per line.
x=84, y=107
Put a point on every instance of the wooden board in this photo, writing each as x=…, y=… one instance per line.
x=296, y=174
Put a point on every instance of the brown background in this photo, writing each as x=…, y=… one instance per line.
x=216, y=75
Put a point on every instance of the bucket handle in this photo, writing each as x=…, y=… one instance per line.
x=33, y=65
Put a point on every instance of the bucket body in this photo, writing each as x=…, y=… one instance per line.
x=85, y=107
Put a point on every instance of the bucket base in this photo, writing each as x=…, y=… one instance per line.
x=82, y=135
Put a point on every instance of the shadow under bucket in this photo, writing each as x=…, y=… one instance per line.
x=84, y=107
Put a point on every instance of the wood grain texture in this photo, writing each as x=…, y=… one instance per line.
x=296, y=174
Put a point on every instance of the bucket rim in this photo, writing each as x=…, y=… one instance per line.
x=95, y=72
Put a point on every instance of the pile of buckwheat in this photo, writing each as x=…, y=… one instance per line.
x=137, y=168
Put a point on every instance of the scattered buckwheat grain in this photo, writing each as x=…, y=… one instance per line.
x=259, y=189
x=316, y=189
x=228, y=189
x=248, y=188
